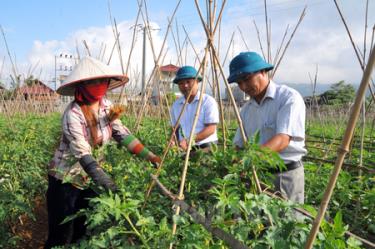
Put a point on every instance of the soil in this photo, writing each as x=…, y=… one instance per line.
x=33, y=233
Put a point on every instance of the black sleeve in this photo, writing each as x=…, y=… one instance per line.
x=177, y=133
x=92, y=168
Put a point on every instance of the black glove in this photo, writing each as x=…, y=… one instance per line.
x=97, y=174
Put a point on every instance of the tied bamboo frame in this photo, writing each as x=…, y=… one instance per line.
x=343, y=150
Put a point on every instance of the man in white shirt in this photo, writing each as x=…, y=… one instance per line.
x=205, y=134
x=278, y=113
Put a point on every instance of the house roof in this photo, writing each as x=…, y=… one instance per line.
x=169, y=68
x=37, y=88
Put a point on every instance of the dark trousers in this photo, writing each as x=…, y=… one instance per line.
x=63, y=199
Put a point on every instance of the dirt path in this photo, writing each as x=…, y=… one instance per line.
x=33, y=233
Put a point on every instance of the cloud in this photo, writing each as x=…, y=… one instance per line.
x=320, y=40
x=100, y=42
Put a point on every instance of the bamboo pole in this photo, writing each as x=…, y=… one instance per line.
x=343, y=150
x=239, y=121
x=158, y=171
x=206, y=223
x=259, y=40
x=14, y=68
x=365, y=35
x=267, y=32
x=191, y=138
x=353, y=44
x=281, y=45
x=156, y=67
x=131, y=50
x=87, y=47
x=288, y=43
x=243, y=39
x=363, y=121
x=215, y=77
x=221, y=108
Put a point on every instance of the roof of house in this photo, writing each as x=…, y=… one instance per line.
x=37, y=88
x=169, y=68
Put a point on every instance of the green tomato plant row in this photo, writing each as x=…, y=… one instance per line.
x=219, y=185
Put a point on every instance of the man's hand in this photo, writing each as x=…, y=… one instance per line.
x=172, y=143
x=183, y=144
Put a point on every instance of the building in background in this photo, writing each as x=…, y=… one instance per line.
x=239, y=96
x=164, y=83
x=37, y=91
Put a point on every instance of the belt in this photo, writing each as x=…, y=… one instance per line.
x=289, y=166
x=202, y=146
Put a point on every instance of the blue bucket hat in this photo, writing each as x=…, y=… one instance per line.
x=186, y=72
x=245, y=63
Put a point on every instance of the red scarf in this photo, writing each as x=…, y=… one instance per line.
x=90, y=93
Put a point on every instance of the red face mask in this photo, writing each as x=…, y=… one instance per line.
x=90, y=93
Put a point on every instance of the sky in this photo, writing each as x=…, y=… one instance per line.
x=37, y=32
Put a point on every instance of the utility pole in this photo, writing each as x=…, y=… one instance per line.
x=55, y=74
x=144, y=60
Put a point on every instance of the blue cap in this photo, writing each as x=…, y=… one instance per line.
x=186, y=72
x=245, y=63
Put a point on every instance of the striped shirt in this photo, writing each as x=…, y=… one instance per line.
x=75, y=142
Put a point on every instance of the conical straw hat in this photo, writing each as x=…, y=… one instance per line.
x=87, y=69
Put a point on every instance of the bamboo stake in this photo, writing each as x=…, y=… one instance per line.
x=131, y=51
x=113, y=49
x=221, y=109
x=178, y=39
x=217, y=83
x=290, y=39
x=365, y=35
x=206, y=223
x=119, y=48
x=259, y=40
x=10, y=57
x=315, y=101
x=267, y=32
x=158, y=171
x=192, y=45
x=353, y=44
x=172, y=137
x=100, y=51
x=77, y=51
x=372, y=38
x=363, y=123
x=211, y=18
x=87, y=47
x=2, y=67
x=239, y=121
x=178, y=49
x=104, y=50
x=281, y=45
x=147, y=23
x=342, y=151
x=156, y=67
x=243, y=39
x=191, y=138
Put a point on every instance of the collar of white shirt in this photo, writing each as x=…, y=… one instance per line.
x=270, y=92
x=196, y=98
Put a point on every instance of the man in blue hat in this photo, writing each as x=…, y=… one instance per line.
x=187, y=79
x=278, y=113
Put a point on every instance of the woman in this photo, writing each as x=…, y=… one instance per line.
x=88, y=122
